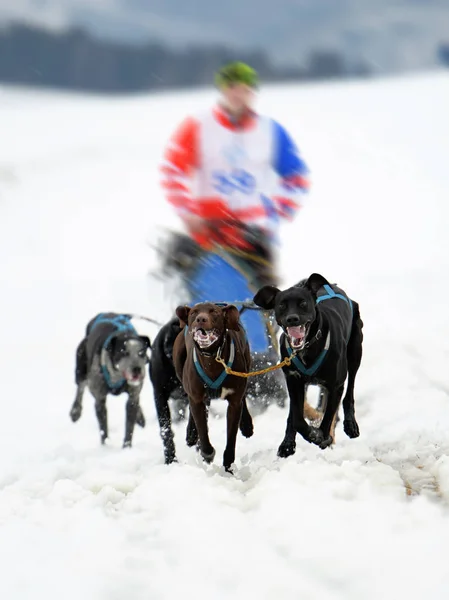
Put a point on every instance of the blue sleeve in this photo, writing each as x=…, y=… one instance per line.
x=287, y=161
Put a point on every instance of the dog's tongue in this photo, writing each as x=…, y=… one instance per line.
x=297, y=333
x=131, y=378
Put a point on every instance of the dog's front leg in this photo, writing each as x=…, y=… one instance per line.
x=233, y=416
x=161, y=398
x=102, y=416
x=199, y=412
x=140, y=418
x=328, y=422
x=132, y=410
x=295, y=388
x=295, y=421
x=192, y=432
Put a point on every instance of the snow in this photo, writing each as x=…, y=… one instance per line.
x=79, y=205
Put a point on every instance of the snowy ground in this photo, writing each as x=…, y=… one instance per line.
x=367, y=519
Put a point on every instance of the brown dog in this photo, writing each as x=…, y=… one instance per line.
x=210, y=330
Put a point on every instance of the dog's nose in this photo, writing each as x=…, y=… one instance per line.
x=136, y=370
x=202, y=318
x=292, y=320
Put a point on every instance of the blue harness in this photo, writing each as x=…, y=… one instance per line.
x=208, y=382
x=331, y=294
x=322, y=355
x=316, y=365
x=121, y=323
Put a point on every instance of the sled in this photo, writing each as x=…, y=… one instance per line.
x=209, y=276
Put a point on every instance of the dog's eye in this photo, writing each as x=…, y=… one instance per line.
x=124, y=352
x=303, y=304
x=282, y=305
x=142, y=352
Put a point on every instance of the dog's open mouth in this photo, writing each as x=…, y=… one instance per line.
x=205, y=337
x=133, y=378
x=297, y=336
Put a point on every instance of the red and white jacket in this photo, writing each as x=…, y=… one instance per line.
x=250, y=172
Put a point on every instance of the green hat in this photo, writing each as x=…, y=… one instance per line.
x=236, y=72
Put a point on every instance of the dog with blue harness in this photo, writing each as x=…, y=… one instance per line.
x=322, y=336
x=212, y=331
x=111, y=359
x=166, y=384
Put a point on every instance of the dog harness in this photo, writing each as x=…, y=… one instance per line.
x=208, y=382
x=316, y=365
x=331, y=294
x=121, y=323
x=322, y=355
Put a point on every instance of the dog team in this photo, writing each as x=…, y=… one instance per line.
x=203, y=354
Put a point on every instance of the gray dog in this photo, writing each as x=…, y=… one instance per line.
x=111, y=359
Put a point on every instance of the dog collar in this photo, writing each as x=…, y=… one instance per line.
x=318, y=362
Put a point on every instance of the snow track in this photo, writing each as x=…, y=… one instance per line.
x=366, y=519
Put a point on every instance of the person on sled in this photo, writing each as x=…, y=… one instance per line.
x=232, y=175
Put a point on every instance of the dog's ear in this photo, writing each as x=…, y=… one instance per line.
x=182, y=312
x=266, y=296
x=316, y=282
x=146, y=341
x=231, y=317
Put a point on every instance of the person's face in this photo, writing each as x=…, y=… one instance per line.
x=238, y=97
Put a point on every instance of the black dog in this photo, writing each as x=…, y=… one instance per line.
x=111, y=359
x=323, y=336
x=166, y=384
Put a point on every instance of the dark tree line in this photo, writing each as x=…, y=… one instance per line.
x=443, y=54
x=76, y=60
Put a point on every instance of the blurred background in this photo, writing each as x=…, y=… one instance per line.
x=134, y=45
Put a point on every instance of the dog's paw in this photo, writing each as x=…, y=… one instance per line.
x=351, y=428
x=326, y=442
x=140, y=418
x=247, y=428
x=127, y=444
x=286, y=449
x=208, y=456
x=229, y=470
x=314, y=436
x=75, y=412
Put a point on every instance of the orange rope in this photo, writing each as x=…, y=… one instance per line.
x=286, y=362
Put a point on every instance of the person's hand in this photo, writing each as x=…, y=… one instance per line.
x=194, y=223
